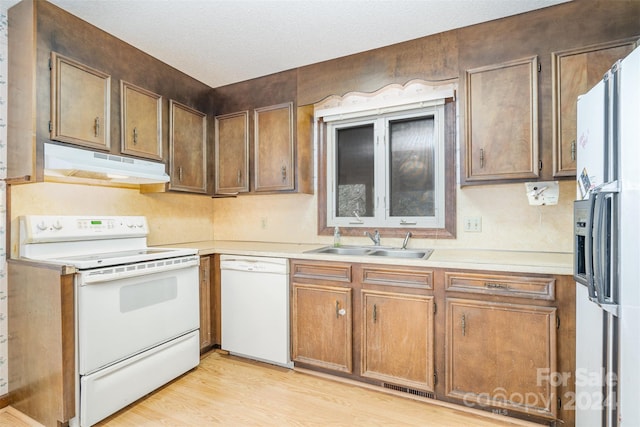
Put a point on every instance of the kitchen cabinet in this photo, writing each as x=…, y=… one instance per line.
x=501, y=122
x=575, y=71
x=188, y=148
x=141, y=121
x=489, y=340
x=42, y=354
x=206, y=304
x=232, y=153
x=401, y=358
x=500, y=347
x=321, y=315
x=274, y=154
x=80, y=103
x=322, y=326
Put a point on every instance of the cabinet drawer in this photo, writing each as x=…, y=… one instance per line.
x=405, y=277
x=516, y=286
x=324, y=271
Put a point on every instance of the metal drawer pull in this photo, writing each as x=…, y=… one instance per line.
x=239, y=176
x=375, y=313
x=493, y=285
x=481, y=158
x=135, y=135
x=464, y=325
x=284, y=173
x=96, y=126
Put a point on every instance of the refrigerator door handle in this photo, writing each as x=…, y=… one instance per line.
x=602, y=218
x=589, y=250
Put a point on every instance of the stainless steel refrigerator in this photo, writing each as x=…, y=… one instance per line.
x=607, y=250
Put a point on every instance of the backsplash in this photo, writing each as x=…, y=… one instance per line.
x=508, y=221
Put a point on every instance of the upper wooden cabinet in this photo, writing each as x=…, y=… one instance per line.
x=188, y=148
x=575, y=71
x=274, y=148
x=80, y=103
x=232, y=153
x=502, y=121
x=141, y=122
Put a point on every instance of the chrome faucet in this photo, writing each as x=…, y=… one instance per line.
x=406, y=240
x=375, y=237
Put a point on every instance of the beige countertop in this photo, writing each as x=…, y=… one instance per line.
x=475, y=259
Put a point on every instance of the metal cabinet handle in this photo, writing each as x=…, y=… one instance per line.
x=492, y=285
x=573, y=150
x=180, y=173
x=482, y=158
x=375, y=313
x=239, y=180
x=96, y=126
x=464, y=325
x=284, y=173
x=135, y=135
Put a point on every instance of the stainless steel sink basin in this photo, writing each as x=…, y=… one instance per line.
x=403, y=253
x=343, y=250
x=374, y=251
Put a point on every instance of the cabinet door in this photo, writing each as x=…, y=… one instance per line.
x=206, y=314
x=397, y=339
x=232, y=153
x=188, y=162
x=574, y=73
x=141, y=122
x=502, y=121
x=274, y=153
x=80, y=102
x=501, y=355
x=321, y=326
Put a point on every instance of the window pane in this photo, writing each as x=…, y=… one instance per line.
x=354, y=147
x=411, y=145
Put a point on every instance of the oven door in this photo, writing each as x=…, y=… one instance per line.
x=123, y=316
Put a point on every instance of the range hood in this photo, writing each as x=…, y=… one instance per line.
x=67, y=161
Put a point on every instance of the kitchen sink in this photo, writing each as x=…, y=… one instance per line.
x=374, y=251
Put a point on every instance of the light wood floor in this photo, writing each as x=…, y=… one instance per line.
x=230, y=391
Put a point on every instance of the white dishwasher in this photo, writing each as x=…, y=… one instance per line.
x=255, y=308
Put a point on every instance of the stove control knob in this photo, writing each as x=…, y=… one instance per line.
x=57, y=225
x=41, y=225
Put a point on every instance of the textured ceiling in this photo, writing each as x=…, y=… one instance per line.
x=225, y=41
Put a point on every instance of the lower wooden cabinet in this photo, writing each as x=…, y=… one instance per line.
x=487, y=340
x=397, y=339
x=497, y=354
x=206, y=306
x=321, y=326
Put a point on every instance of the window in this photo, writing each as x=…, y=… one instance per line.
x=385, y=169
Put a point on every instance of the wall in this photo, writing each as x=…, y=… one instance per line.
x=508, y=222
x=172, y=217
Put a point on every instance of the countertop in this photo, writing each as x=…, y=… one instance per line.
x=560, y=263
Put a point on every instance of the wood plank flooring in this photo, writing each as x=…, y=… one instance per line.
x=229, y=391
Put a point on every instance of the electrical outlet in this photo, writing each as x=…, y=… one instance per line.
x=473, y=224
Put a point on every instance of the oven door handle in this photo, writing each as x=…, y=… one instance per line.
x=90, y=277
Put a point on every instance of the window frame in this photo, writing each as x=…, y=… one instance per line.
x=334, y=108
x=382, y=170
